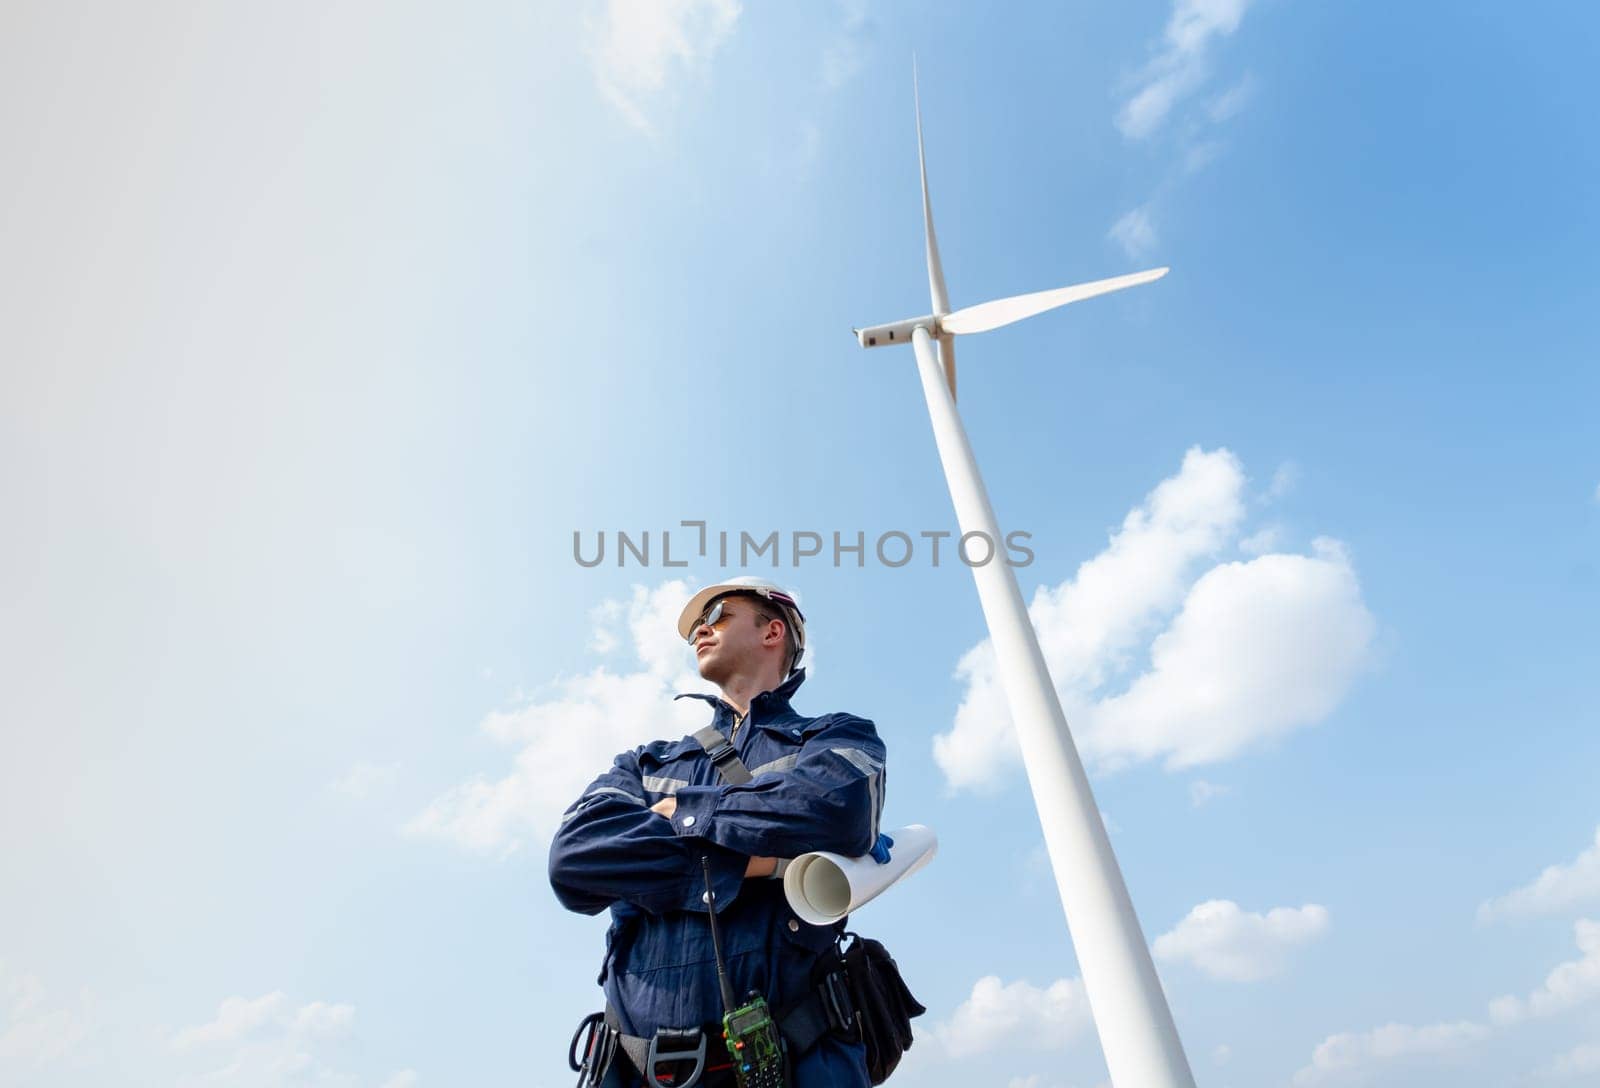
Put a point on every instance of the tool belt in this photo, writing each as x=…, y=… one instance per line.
x=826, y=1009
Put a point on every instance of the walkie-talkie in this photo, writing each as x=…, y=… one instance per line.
x=751, y=1033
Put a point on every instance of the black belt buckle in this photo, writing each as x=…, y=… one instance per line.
x=676, y=1045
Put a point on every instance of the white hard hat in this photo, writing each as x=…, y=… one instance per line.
x=756, y=587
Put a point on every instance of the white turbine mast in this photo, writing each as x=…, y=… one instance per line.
x=1137, y=1034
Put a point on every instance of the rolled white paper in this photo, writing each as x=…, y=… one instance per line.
x=823, y=887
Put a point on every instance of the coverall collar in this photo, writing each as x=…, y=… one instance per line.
x=777, y=698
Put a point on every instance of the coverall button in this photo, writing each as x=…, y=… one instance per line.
x=688, y=821
x=705, y=897
x=794, y=926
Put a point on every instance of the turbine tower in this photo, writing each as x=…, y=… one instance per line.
x=1137, y=1035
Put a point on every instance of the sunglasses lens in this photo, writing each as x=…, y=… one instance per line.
x=708, y=620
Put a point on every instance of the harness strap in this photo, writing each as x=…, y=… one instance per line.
x=732, y=770
x=724, y=756
x=825, y=1009
x=635, y=1047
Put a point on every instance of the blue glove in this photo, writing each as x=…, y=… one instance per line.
x=880, y=849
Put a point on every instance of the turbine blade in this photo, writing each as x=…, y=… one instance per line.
x=992, y=315
x=947, y=355
x=941, y=300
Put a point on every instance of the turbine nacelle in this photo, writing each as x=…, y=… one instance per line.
x=896, y=332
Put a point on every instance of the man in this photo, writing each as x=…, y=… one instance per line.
x=638, y=838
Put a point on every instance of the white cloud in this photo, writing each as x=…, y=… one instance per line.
x=1201, y=155
x=1284, y=479
x=269, y=1041
x=569, y=734
x=1254, y=651
x=846, y=54
x=33, y=1035
x=1231, y=101
x=1020, y=1015
x=1180, y=68
x=1559, y=888
x=1091, y=624
x=1259, y=649
x=1262, y=541
x=365, y=780
x=636, y=44
x=19, y=994
x=1036, y=870
x=1222, y=1054
x=40, y=1040
x=1228, y=943
x=1135, y=232
x=237, y=1018
x=1580, y=1060
x=1182, y=64
x=1350, y=1051
x=240, y=1020
x=1201, y=792
x=1120, y=593
x=323, y=1021
x=1568, y=985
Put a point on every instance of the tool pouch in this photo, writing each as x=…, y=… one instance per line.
x=884, y=1007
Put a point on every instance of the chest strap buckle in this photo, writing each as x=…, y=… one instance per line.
x=724, y=756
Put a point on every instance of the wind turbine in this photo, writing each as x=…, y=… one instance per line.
x=1137, y=1035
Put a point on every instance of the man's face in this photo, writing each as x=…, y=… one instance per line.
x=734, y=643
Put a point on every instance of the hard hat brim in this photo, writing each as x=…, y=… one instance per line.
x=702, y=600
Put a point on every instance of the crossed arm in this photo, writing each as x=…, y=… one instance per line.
x=612, y=846
x=758, y=867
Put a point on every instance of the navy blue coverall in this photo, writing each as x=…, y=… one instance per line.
x=818, y=785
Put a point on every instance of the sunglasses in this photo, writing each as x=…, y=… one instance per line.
x=712, y=617
x=714, y=614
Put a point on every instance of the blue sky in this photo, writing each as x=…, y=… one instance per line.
x=324, y=330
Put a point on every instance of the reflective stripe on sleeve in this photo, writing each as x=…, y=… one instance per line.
x=613, y=789
x=860, y=760
x=783, y=763
x=873, y=770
